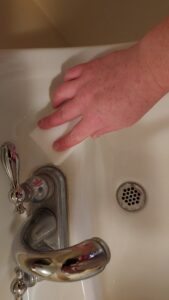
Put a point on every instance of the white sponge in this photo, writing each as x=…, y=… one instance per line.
x=45, y=138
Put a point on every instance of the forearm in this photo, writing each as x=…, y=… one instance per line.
x=154, y=49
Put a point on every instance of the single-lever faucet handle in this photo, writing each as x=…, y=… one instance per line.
x=10, y=161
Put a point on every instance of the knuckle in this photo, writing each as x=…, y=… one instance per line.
x=68, y=71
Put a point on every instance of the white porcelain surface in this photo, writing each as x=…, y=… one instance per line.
x=139, y=242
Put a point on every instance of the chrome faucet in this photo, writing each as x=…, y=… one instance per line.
x=36, y=255
x=41, y=248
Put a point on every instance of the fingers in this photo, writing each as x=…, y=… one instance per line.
x=68, y=111
x=65, y=92
x=80, y=132
x=74, y=72
x=69, y=88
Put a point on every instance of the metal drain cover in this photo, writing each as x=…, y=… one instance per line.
x=131, y=196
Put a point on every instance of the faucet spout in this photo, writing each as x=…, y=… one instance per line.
x=69, y=264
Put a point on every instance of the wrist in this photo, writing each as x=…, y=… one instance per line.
x=154, y=54
x=148, y=87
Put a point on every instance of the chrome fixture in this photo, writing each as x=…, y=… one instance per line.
x=35, y=189
x=41, y=248
x=37, y=255
x=20, y=284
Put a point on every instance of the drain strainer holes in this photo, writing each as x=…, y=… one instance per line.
x=131, y=196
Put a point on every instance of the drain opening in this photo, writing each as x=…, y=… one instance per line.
x=131, y=196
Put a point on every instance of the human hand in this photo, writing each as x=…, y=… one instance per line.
x=108, y=93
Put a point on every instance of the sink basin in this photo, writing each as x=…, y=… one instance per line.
x=139, y=241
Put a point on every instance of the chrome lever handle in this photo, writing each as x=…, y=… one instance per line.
x=10, y=161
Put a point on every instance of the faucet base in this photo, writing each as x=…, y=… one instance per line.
x=55, y=200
